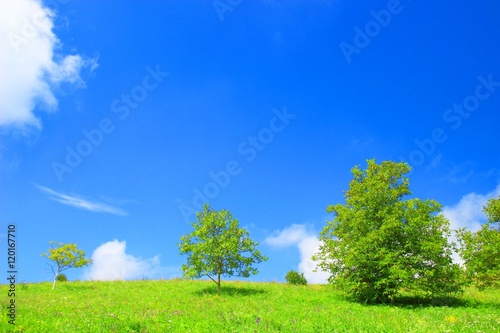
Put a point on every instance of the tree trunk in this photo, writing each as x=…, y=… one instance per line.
x=55, y=279
x=218, y=282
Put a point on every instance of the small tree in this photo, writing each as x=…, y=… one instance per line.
x=218, y=247
x=379, y=243
x=63, y=257
x=480, y=250
x=294, y=277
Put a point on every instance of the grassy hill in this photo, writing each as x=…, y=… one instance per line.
x=194, y=306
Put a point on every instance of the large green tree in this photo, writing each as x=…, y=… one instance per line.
x=379, y=243
x=218, y=247
x=65, y=256
x=480, y=250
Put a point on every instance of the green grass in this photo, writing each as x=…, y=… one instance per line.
x=194, y=306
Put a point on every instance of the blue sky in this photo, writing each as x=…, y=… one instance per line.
x=118, y=119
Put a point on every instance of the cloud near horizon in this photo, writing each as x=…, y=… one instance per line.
x=468, y=213
x=80, y=203
x=31, y=65
x=307, y=242
x=111, y=262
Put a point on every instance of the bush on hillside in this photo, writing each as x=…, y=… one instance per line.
x=62, y=278
x=294, y=277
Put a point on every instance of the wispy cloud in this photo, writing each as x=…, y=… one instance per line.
x=362, y=142
x=307, y=242
x=460, y=173
x=111, y=262
x=435, y=161
x=78, y=202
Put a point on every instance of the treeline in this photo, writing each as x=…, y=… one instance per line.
x=378, y=244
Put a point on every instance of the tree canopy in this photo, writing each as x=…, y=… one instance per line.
x=63, y=257
x=218, y=247
x=480, y=250
x=492, y=210
x=379, y=243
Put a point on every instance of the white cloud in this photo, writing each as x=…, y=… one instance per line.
x=288, y=236
x=111, y=262
x=31, y=69
x=78, y=202
x=468, y=213
x=307, y=242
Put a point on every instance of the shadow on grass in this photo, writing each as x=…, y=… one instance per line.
x=230, y=291
x=412, y=302
x=68, y=286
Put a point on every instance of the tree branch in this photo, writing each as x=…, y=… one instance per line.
x=211, y=278
x=51, y=267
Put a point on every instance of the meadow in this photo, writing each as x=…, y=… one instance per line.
x=195, y=306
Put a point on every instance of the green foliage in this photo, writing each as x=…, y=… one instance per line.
x=379, y=244
x=194, y=306
x=63, y=257
x=480, y=250
x=62, y=278
x=492, y=210
x=294, y=277
x=218, y=247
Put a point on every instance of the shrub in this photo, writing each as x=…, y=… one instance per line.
x=294, y=277
x=62, y=278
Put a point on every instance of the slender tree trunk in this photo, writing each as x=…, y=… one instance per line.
x=55, y=279
x=219, y=270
